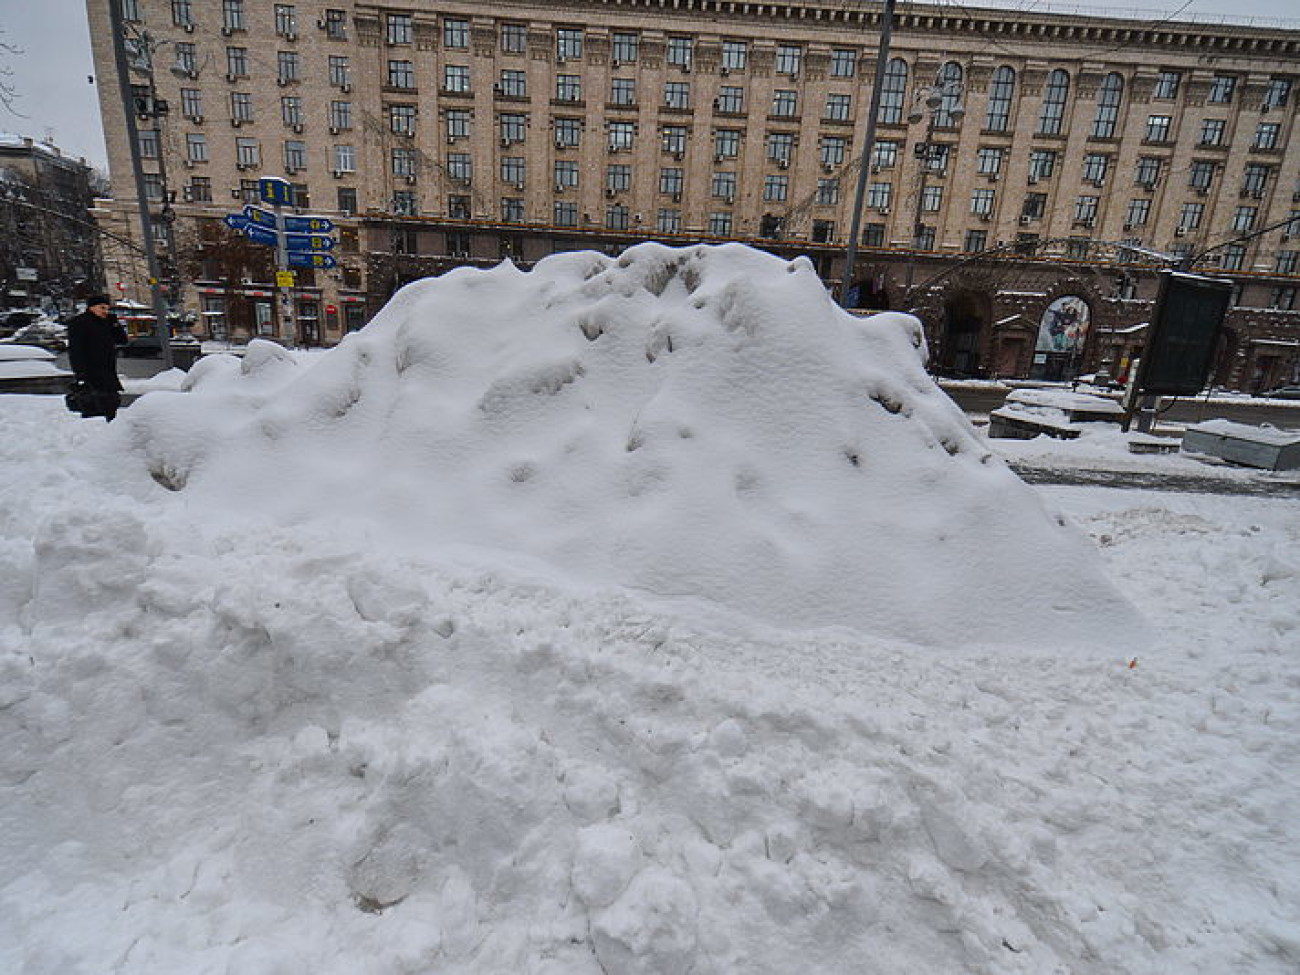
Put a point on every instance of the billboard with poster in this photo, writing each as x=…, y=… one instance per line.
x=1184, y=334
x=1064, y=326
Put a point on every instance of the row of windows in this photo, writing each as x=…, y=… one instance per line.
x=625, y=46
x=242, y=107
x=1267, y=136
x=1232, y=257
x=564, y=213
x=785, y=102
x=1138, y=211
x=399, y=29
x=233, y=15
x=731, y=98
x=1056, y=98
x=622, y=91
x=989, y=160
x=1096, y=169
x=779, y=147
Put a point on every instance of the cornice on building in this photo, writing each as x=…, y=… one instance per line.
x=928, y=19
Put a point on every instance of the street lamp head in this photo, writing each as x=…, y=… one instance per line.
x=915, y=117
x=957, y=112
x=933, y=100
x=183, y=71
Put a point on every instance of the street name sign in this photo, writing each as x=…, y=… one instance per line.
x=312, y=259
x=264, y=218
x=308, y=225
x=309, y=242
x=260, y=235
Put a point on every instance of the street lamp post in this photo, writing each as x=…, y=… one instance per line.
x=934, y=98
x=153, y=109
x=868, y=150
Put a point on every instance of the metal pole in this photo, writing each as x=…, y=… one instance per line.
x=918, y=215
x=868, y=151
x=159, y=300
x=288, y=328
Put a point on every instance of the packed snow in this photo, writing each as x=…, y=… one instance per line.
x=638, y=615
x=701, y=422
x=28, y=362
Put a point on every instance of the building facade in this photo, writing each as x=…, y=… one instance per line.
x=1030, y=175
x=49, y=253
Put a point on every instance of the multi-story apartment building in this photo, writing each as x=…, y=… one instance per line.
x=49, y=254
x=1030, y=172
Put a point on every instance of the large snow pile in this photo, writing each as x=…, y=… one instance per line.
x=701, y=422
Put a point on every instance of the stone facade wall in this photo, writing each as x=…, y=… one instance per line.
x=450, y=191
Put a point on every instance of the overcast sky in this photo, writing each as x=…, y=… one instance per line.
x=58, y=102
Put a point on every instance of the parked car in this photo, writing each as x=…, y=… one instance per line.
x=1283, y=392
x=142, y=347
x=12, y=321
x=45, y=334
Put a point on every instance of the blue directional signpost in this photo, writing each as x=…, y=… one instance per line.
x=299, y=241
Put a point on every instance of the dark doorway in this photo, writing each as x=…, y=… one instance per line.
x=869, y=293
x=965, y=315
x=1229, y=345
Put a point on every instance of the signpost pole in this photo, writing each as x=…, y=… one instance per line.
x=284, y=282
x=278, y=192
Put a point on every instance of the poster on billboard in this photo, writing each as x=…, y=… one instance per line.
x=1064, y=326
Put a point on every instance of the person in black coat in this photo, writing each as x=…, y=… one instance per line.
x=93, y=338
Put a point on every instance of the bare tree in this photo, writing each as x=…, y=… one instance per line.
x=210, y=252
x=8, y=93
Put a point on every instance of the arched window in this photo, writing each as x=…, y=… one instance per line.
x=1000, y=94
x=949, y=83
x=1108, y=99
x=1055, y=96
x=893, y=92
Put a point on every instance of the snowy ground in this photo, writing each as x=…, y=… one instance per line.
x=236, y=743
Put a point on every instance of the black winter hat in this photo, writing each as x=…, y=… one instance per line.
x=99, y=300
